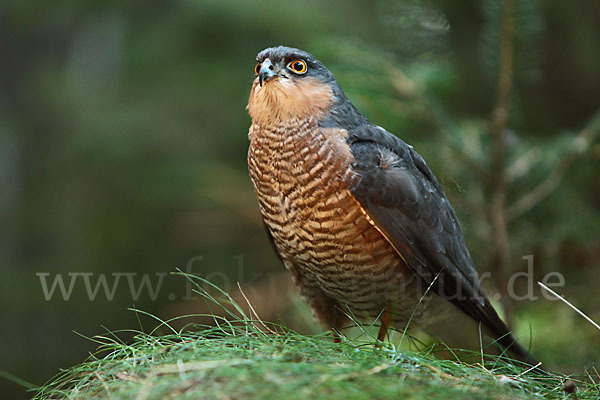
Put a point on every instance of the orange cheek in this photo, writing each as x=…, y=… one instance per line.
x=283, y=99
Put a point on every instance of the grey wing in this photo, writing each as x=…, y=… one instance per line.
x=400, y=194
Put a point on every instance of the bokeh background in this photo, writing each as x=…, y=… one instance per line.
x=123, y=139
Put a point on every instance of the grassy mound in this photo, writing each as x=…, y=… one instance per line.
x=242, y=358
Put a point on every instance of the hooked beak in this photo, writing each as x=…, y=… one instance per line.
x=267, y=72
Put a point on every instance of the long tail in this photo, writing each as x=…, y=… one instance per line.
x=487, y=315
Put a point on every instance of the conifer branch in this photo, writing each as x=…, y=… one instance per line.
x=581, y=143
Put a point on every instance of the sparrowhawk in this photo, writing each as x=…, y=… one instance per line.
x=355, y=213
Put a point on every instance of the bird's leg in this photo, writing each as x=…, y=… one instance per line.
x=386, y=317
x=336, y=336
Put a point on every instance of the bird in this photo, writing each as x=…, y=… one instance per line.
x=357, y=217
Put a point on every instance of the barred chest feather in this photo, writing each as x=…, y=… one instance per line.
x=301, y=175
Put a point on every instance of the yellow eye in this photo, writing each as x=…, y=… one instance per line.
x=298, y=66
x=257, y=68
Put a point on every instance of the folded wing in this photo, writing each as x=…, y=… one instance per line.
x=402, y=197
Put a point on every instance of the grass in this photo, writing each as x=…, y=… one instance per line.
x=244, y=358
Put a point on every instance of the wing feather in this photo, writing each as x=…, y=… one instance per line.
x=405, y=202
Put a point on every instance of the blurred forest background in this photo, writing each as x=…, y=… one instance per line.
x=123, y=139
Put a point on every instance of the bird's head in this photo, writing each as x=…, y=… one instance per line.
x=289, y=84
